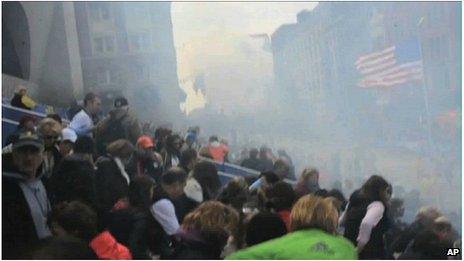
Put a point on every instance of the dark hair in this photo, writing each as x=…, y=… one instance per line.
x=213, y=138
x=235, y=193
x=25, y=119
x=374, y=187
x=280, y=196
x=84, y=144
x=206, y=174
x=270, y=177
x=254, y=153
x=428, y=245
x=171, y=138
x=89, y=97
x=264, y=226
x=54, y=116
x=76, y=218
x=321, y=193
x=64, y=248
x=187, y=156
x=173, y=175
x=337, y=194
x=139, y=192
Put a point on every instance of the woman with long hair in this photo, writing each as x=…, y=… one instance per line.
x=365, y=218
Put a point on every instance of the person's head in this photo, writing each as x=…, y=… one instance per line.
x=55, y=116
x=281, y=168
x=62, y=248
x=173, y=182
x=74, y=218
x=145, y=147
x=21, y=89
x=121, y=103
x=174, y=142
x=190, y=138
x=235, y=193
x=188, y=159
x=206, y=174
x=269, y=178
x=68, y=138
x=340, y=201
x=313, y=212
x=254, y=153
x=122, y=149
x=214, y=220
x=27, y=123
x=213, y=139
x=263, y=152
x=280, y=196
x=427, y=215
x=28, y=154
x=310, y=176
x=141, y=192
x=442, y=227
x=92, y=103
x=264, y=226
x=86, y=146
x=50, y=131
x=323, y=193
x=377, y=188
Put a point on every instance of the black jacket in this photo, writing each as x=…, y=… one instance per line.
x=73, y=179
x=183, y=205
x=194, y=245
x=18, y=229
x=357, y=209
x=17, y=102
x=110, y=184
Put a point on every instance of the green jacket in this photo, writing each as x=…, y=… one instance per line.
x=305, y=244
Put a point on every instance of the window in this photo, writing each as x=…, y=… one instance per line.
x=104, y=44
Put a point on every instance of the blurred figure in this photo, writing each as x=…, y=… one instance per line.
x=80, y=221
x=280, y=199
x=264, y=226
x=426, y=245
x=63, y=248
x=161, y=135
x=21, y=99
x=204, y=152
x=82, y=122
x=266, y=163
x=188, y=159
x=252, y=162
x=148, y=162
x=235, y=193
x=282, y=154
x=25, y=202
x=366, y=218
x=74, y=177
x=205, y=232
x=308, y=182
x=171, y=151
x=204, y=183
x=217, y=150
x=191, y=139
x=68, y=138
x=111, y=179
x=314, y=224
x=120, y=124
x=26, y=124
x=282, y=169
x=134, y=225
x=50, y=131
x=424, y=221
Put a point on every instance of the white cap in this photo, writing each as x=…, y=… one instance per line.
x=68, y=134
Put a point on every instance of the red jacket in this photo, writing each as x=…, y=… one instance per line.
x=105, y=246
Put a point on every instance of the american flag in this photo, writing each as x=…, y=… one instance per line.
x=392, y=66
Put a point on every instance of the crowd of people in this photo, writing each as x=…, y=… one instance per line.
x=109, y=189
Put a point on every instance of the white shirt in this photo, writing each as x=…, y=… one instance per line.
x=373, y=216
x=82, y=124
x=164, y=212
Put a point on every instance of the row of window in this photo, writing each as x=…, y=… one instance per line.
x=137, y=42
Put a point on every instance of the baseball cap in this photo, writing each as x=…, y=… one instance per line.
x=120, y=102
x=68, y=134
x=146, y=142
x=28, y=139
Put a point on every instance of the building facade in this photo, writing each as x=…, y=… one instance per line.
x=128, y=49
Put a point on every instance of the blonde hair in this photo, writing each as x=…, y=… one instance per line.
x=314, y=212
x=212, y=217
x=309, y=172
x=49, y=127
x=429, y=213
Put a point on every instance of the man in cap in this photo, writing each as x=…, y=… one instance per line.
x=148, y=161
x=68, y=138
x=121, y=124
x=25, y=203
